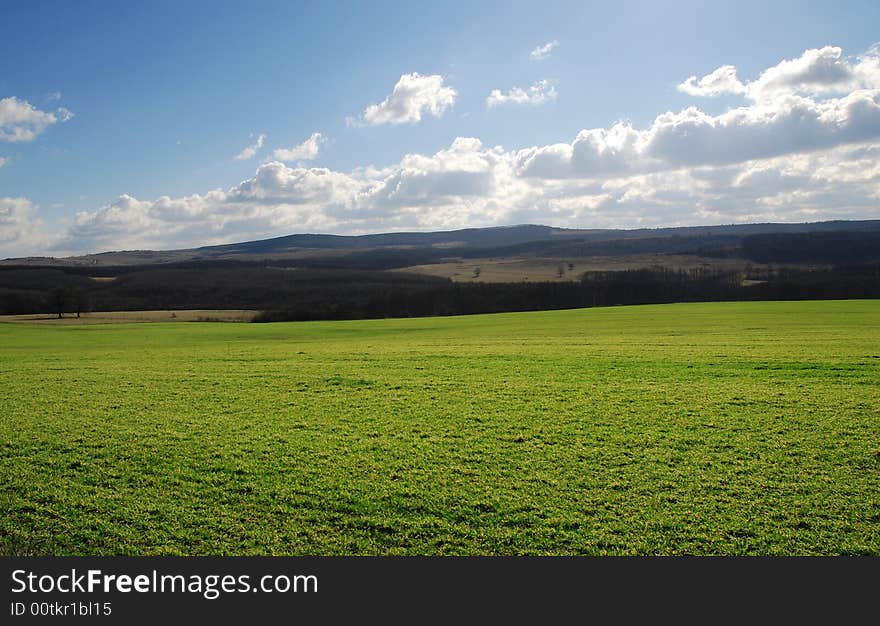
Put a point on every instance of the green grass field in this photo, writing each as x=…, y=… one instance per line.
x=723, y=428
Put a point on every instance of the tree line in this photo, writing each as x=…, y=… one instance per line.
x=302, y=294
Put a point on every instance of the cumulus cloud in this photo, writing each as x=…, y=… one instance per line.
x=790, y=125
x=3, y=161
x=542, y=52
x=462, y=171
x=598, y=152
x=21, y=231
x=306, y=151
x=469, y=184
x=20, y=121
x=249, y=151
x=816, y=71
x=413, y=96
x=464, y=183
x=721, y=81
x=538, y=93
x=795, y=107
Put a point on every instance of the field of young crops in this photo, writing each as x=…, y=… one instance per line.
x=722, y=428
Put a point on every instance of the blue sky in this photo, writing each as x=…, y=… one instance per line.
x=111, y=107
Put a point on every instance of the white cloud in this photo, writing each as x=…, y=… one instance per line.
x=20, y=121
x=721, y=81
x=542, y=52
x=786, y=124
x=64, y=114
x=462, y=171
x=3, y=161
x=538, y=93
x=463, y=183
x=816, y=71
x=414, y=95
x=21, y=231
x=252, y=149
x=306, y=151
x=469, y=184
x=594, y=153
x=790, y=125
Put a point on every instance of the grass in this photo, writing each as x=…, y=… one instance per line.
x=110, y=317
x=722, y=428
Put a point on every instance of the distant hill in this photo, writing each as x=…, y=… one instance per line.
x=502, y=236
x=479, y=237
x=390, y=250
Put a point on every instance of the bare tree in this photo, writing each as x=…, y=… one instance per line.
x=80, y=301
x=59, y=298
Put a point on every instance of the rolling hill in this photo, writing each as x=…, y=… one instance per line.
x=391, y=250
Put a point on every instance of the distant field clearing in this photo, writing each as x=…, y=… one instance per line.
x=110, y=317
x=536, y=269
